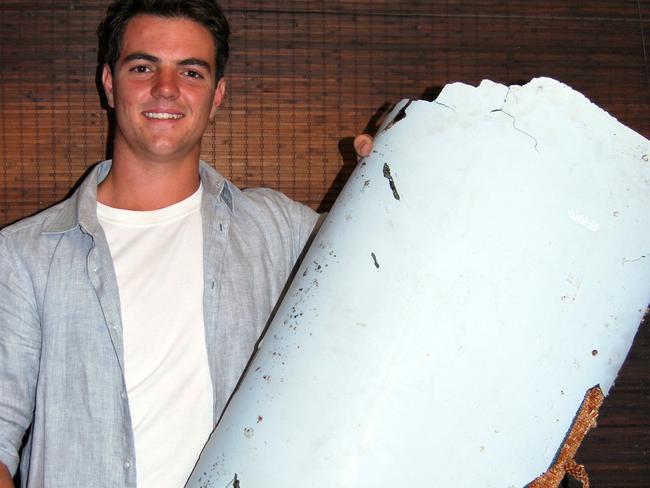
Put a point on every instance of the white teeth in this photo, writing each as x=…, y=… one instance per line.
x=159, y=115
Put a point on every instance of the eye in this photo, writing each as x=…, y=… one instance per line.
x=193, y=74
x=140, y=68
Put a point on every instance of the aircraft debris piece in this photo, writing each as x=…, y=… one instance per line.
x=484, y=269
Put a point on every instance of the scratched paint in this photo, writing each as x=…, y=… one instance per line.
x=431, y=340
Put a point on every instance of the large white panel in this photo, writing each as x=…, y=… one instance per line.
x=481, y=270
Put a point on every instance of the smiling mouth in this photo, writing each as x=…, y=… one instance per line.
x=163, y=116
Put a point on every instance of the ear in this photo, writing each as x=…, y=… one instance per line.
x=107, y=81
x=219, y=93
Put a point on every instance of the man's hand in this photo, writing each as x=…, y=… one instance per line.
x=363, y=145
x=5, y=477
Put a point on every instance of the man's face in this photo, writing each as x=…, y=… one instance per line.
x=163, y=89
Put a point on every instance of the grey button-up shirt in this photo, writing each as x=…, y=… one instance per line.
x=61, y=357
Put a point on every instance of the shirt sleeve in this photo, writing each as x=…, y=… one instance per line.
x=20, y=339
x=309, y=223
x=295, y=221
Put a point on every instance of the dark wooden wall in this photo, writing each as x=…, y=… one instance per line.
x=305, y=77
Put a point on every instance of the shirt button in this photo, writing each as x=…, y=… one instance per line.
x=123, y=396
x=127, y=464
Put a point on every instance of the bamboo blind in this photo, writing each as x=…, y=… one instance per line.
x=303, y=79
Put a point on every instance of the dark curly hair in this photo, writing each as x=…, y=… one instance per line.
x=120, y=12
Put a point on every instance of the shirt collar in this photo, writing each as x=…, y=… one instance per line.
x=216, y=185
x=81, y=208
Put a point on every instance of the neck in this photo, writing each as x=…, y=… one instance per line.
x=151, y=186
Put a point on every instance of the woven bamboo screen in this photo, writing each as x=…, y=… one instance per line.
x=304, y=78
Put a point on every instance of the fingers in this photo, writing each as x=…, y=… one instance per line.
x=363, y=145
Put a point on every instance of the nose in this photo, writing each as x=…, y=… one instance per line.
x=165, y=84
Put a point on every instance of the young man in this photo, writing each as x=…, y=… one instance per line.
x=128, y=311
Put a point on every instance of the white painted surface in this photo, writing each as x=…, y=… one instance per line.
x=512, y=276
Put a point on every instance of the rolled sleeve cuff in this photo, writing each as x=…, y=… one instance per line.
x=10, y=459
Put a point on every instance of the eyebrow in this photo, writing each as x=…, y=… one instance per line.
x=139, y=56
x=195, y=62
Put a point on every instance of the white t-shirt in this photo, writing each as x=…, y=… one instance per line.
x=158, y=258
